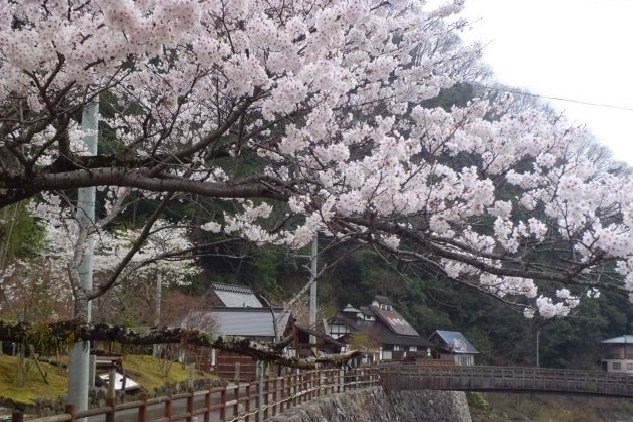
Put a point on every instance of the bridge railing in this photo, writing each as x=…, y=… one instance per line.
x=486, y=378
x=234, y=402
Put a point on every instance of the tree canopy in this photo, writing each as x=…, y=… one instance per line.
x=306, y=116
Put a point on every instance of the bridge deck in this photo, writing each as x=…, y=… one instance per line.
x=490, y=378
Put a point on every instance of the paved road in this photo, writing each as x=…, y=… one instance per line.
x=179, y=406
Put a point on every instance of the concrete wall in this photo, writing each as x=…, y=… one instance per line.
x=373, y=405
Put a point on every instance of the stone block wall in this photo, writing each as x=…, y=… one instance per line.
x=374, y=405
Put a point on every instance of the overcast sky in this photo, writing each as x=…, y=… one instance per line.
x=576, y=49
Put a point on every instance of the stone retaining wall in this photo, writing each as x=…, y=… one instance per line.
x=374, y=405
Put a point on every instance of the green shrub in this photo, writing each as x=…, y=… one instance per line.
x=476, y=400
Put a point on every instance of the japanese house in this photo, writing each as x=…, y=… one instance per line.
x=380, y=330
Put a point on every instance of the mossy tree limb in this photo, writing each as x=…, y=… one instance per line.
x=56, y=335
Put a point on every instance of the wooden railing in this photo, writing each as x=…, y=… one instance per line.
x=489, y=378
x=235, y=402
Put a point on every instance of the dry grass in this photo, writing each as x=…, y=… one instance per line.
x=552, y=408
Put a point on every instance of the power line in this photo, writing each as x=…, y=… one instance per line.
x=568, y=100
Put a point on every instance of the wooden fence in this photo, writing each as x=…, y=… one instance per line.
x=490, y=378
x=236, y=402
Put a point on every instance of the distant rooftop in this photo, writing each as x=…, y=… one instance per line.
x=234, y=295
x=395, y=321
x=248, y=322
x=383, y=300
x=351, y=309
x=627, y=339
x=456, y=341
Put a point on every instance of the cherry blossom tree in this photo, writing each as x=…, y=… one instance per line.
x=305, y=115
x=156, y=248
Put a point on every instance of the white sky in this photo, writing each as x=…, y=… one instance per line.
x=576, y=49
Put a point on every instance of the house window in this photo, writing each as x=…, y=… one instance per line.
x=629, y=366
x=413, y=348
x=617, y=366
x=386, y=354
x=396, y=347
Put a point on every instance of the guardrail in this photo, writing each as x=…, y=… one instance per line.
x=235, y=402
x=490, y=378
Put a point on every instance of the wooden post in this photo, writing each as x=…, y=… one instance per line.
x=299, y=387
x=207, y=406
x=223, y=401
x=267, y=395
x=168, y=408
x=70, y=409
x=280, y=394
x=17, y=417
x=283, y=394
x=237, y=400
x=111, y=394
x=237, y=373
x=308, y=386
x=190, y=405
x=111, y=406
x=247, y=406
x=341, y=381
x=142, y=410
x=275, y=396
x=261, y=395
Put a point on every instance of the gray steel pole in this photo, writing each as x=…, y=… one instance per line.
x=159, y=298
x=79, y=359
x=313, y=274
x=538, y=334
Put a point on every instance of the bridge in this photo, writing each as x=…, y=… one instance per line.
x=506, y=379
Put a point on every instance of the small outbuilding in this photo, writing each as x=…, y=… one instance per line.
x=453, y=344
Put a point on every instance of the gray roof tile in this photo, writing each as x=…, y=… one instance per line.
x=455, y=341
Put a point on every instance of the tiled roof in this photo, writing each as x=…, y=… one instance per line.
x=627, y=339
x=455, y=341
x=367, y=310
x=379, y=332
x=247, y=322
x=395, y=321
x=350, y=308
x=233, y=295
x=384, y=300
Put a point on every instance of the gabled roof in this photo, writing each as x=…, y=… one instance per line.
x=455, y=341
x=366, y=310
x=247, y=322
x=626, y=339
x=233, y=295
x=384, y=300
x=349, y=308
x=379, y=332
x=395, y=321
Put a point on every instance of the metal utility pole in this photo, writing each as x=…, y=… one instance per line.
x=79, y=359
x=313, y=274
x=159, y=299
x=538, y=335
